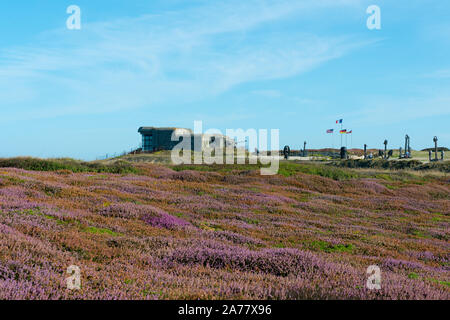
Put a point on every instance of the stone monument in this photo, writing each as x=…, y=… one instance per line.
x=436, y=158
x=407, y=153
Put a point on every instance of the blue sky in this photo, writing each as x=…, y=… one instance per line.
x=296, y=65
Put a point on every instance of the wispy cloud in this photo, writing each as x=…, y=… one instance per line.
x=155, y=59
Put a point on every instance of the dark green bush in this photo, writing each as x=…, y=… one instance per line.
x=34, y=164
x=393, y=164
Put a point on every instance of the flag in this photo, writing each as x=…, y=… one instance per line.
x=330, y=130
x=343, y=131
x=339, y=121
x=348, y=132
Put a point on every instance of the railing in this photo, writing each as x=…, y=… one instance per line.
x=114, y=155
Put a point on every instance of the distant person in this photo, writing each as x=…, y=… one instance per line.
x=286, y=152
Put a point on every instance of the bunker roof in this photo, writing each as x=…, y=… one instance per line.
x=143, y=129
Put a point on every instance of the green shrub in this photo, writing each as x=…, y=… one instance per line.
x=393, y=164
x=291, y=168
x=413, y=275
x=329, y=248
x=286, y=169
x=64, y=165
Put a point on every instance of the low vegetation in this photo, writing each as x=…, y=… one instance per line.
x=395, y=165
x=67, y=164
x=146, y=231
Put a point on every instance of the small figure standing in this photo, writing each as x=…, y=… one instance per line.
x=286, y=152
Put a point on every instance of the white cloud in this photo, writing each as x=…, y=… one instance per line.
x=156, y=59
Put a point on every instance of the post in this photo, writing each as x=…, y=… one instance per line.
x=332, y=141
x=351, y=140
x=435, y=139
x=429, y=155
x=406, y=144
x=365, y=151
x=407, y=147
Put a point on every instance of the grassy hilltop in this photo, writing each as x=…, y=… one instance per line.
x=139, y=230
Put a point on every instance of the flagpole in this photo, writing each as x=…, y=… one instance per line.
x=332, y=140
x=351, y=140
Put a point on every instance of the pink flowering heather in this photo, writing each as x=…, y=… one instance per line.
x=223, y=233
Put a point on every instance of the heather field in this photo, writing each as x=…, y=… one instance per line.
x=149, y=231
